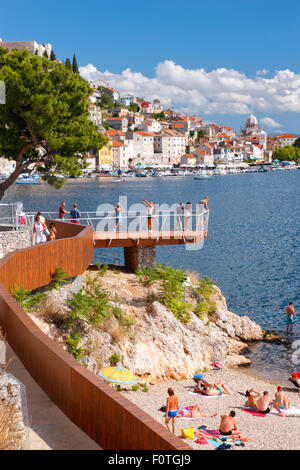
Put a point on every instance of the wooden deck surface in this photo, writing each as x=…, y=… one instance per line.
x=146, y=238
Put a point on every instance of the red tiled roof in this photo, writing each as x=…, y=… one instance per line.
x=287, y=136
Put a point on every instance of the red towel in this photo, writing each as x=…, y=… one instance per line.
x=254, y=413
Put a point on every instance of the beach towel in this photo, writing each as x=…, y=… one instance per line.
x=253, y=413
x=206, y=396
x=215, y=434
x=293, y=412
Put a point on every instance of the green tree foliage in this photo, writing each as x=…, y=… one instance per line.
x=159, y=116
x=201, y=134
x=52, y=55
x=134, y=108
x=45, y=120
x=74, y=65
x=68, y=64
x=288, y=153
x=106, y=102
x=297, y=143
x=45, y=54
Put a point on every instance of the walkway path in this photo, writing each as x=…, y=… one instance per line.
x=50, y=429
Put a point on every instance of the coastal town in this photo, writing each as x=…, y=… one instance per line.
x=141, y=134
x=159, y=314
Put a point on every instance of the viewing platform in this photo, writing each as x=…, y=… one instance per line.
x=139, y=235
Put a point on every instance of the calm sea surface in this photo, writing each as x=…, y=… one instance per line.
x=252, y=251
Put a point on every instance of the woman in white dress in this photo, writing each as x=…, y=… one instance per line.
x=38, y=231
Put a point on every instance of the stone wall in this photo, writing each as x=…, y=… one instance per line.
x=13, y=413
x=135, y=257
x=11, y=240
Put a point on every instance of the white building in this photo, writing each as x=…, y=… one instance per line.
x=32, y=46
x=252, y=130
x=95, y=114
x=127, y=100
x=142, y=146
x=98, y=84
x=171, y=144
x=286, y=139
x=150, y=125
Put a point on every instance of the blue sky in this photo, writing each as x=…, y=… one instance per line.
x=243, y=36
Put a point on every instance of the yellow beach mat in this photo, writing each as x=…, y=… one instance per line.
x=118, y=375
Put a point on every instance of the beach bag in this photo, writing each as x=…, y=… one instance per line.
x=188, y=433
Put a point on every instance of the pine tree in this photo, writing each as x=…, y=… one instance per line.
x=46, y=54
x=74, y=65
x=52, y=55
x=68, y=64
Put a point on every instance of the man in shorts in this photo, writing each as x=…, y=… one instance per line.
x=228, y=424
x=171, y=409
x=75, y=215
x=263, y=403
x=290, y=316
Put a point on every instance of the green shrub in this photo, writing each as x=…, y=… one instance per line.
x=102, y=268
x=114, y=359
x=147, y=275
x=73, y=340
x=135, y=388
x=58, y=278
x=145, y=388
x=93, y=305
x=27, y=300
x=125, y=320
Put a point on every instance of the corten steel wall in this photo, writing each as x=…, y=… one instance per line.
x=104, y=414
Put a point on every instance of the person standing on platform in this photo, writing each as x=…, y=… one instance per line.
x=62, y=211
x=75, y=215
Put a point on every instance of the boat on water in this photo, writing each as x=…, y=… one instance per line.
x=28, y=179
x=203, y=175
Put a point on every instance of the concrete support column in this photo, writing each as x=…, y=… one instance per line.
x=135, y=257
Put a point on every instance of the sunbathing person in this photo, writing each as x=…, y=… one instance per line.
x=282, y=403
x=216, y=390
x=251, y=395
x=193, y=412
x=201, y=385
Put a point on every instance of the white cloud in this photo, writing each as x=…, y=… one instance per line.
x=222, y=91
x=262, y=73
x=269, y=122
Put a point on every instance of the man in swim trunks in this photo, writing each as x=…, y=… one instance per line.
x=171, y=409
x=228, y=424
x=290, y=312
x=263, y=403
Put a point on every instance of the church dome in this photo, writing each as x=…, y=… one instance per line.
x=251, y=121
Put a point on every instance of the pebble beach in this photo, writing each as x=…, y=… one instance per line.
x=271, y=432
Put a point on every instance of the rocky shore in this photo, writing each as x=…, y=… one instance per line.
x=154, y=344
